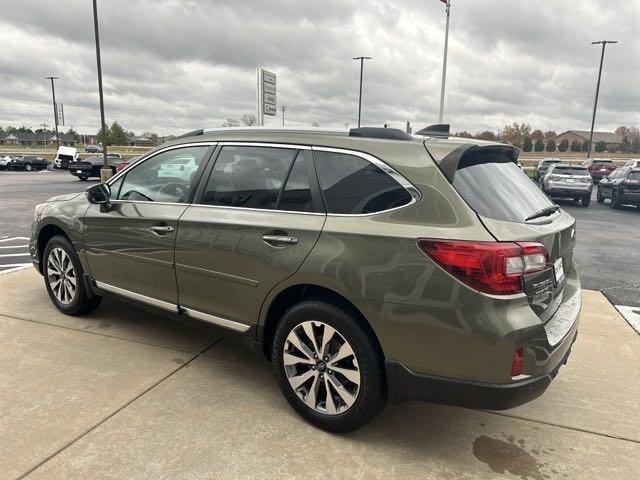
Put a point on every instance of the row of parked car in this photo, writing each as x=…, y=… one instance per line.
x=562, y=180
x=23, y=162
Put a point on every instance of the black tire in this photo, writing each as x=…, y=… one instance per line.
x=586, y=200
x=84, y=178
x=371, y=396
x=28, y=167
x=82, y=301
x=599, y=197
x=615, y=202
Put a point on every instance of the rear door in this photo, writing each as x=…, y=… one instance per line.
x=254, y=221
x=505, y=198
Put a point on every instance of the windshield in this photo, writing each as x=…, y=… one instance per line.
x=495, y=187
x=634, y=176
x=570, y=171
x=602, y=163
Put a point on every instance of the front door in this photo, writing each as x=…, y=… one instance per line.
x=252, y=225
x=130, y=245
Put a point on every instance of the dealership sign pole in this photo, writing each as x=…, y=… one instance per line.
x=444, y=61
x=267, y=99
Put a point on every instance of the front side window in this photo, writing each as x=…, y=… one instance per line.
x=353, y=185
x=166, y=177
x=249, y=177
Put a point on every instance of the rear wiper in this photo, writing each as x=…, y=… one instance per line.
x=544, y=212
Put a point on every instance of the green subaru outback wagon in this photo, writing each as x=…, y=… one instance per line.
x=369, y=266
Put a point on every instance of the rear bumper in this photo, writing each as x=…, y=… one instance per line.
x=404, y=384
x=554, y=191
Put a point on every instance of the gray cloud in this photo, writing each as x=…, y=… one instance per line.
x=172, y=66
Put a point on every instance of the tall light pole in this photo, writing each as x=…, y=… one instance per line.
x=362, y=59
x=55, y=108
x=284, y=109
x=105, y=171
x=444, y=61
x=595, y=103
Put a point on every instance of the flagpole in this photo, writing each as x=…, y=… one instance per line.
x=444, y=61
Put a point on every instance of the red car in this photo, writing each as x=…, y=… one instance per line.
x=125, y=163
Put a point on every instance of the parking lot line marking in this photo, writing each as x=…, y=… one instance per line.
x=14, y=255
x=631, y=315
x=15, y=269
x=13, y=238
x=14, y=246
x=15, y=265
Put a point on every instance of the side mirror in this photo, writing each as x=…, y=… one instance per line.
x=99, y=194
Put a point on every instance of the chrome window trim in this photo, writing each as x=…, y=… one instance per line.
x=227, y=207
x=415, y=194
x=149, y=203
x=138, y=296
x=222, y=322
x=263, y=144
x=121, y=173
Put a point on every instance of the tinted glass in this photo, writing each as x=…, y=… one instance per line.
x=296, y=196
x=570, y=171
x=549, y=162
x=634, y=176
x=602, y=163
x=166, y=177
x=250, y=177
x=495, y=187
x=354, y=185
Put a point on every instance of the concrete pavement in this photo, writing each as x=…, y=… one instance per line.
x=128, y=393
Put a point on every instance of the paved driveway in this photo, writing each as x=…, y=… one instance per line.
x=127, y=393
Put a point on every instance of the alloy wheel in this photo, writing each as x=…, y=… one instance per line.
x=321, y=367
x=61, y=276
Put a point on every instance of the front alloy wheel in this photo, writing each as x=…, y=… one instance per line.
x=321, y=368
x=61, y=276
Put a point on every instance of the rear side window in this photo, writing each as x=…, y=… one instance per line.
x=249, y=177
x=296, y=195
x=494, y=186
x=570, y=171
x=353, y=185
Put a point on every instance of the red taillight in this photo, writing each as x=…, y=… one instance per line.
x=516, y=363
x=490, y=267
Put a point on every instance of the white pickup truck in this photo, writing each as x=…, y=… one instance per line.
x=64, y=156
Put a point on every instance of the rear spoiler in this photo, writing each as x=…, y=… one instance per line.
x=449, y=163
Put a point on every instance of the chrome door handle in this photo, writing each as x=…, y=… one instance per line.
x=161, y=229
x=280, y=240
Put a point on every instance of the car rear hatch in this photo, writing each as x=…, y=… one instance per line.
x=571, y=177
x=632, y=182
x=80, y=165
x=509, y=205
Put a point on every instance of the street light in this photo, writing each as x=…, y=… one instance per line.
x=55, y=109
x=595, y=103
x=362, y=59
x=444, y=61
x=105, y=171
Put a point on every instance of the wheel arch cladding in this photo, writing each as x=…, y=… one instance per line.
x=295, y=294
x=47, y=233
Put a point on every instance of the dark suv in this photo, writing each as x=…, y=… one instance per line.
x=622, y=187
x=367, y=266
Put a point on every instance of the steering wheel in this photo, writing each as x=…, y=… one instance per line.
x=175, y=190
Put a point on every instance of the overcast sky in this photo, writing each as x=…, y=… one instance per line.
x=172, y=66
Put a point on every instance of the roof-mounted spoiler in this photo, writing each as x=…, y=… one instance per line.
x=438, y=130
